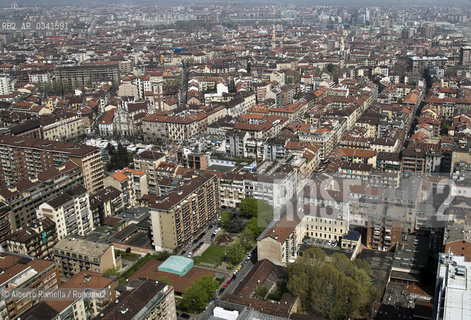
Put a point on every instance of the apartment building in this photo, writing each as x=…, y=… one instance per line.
x=125, y=184
x=453, y=284
x=70, y=77
x=70, y=212
x=383, y=234
x=64, y=128
x=148, y=161
x=7, y=84
x=150, y=300
x=139, y=179
x=174, y=128
x=236, y=143
x=25, y=196
x=105, y=202
x=25, y=158
x=325, y=227
x=74, y=254
x=232, y=188
x=20, y=272
x=418, y=64
x=185, y=213
x=37, y=240
x=326, y=138
x=276, y=186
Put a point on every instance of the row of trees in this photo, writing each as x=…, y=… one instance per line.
x=332, y=286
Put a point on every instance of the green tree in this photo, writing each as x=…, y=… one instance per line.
x=119, y=158
x=114, y=271
x=235, y=253
x=330, y=68
x=246, y=239
x=197, y=296
x=261, y=291
x=362, y=264
x=225, y=218
x=264, y=214
x=249, y=207
x=254, y=228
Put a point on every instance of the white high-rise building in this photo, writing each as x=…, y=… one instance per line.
x=6, y=84
x=70, y=211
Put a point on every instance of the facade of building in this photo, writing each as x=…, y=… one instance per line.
x=125, y=184
x=70, y=211
x=105, y=202
x=5, y=225
x=69, y=78
x=24, y=273
x=148, y=161
x=37, y=240
x=64, y=129
x=6, y=84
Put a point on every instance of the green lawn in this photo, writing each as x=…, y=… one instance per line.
x=213, y=255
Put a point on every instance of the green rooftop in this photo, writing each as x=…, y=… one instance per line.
x=176, y=264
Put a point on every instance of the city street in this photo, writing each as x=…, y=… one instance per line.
x=247, y=265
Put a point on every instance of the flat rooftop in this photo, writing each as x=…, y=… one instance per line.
x=455, y=273
x=82, y=246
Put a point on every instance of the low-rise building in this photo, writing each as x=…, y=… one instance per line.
x=74, y=254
